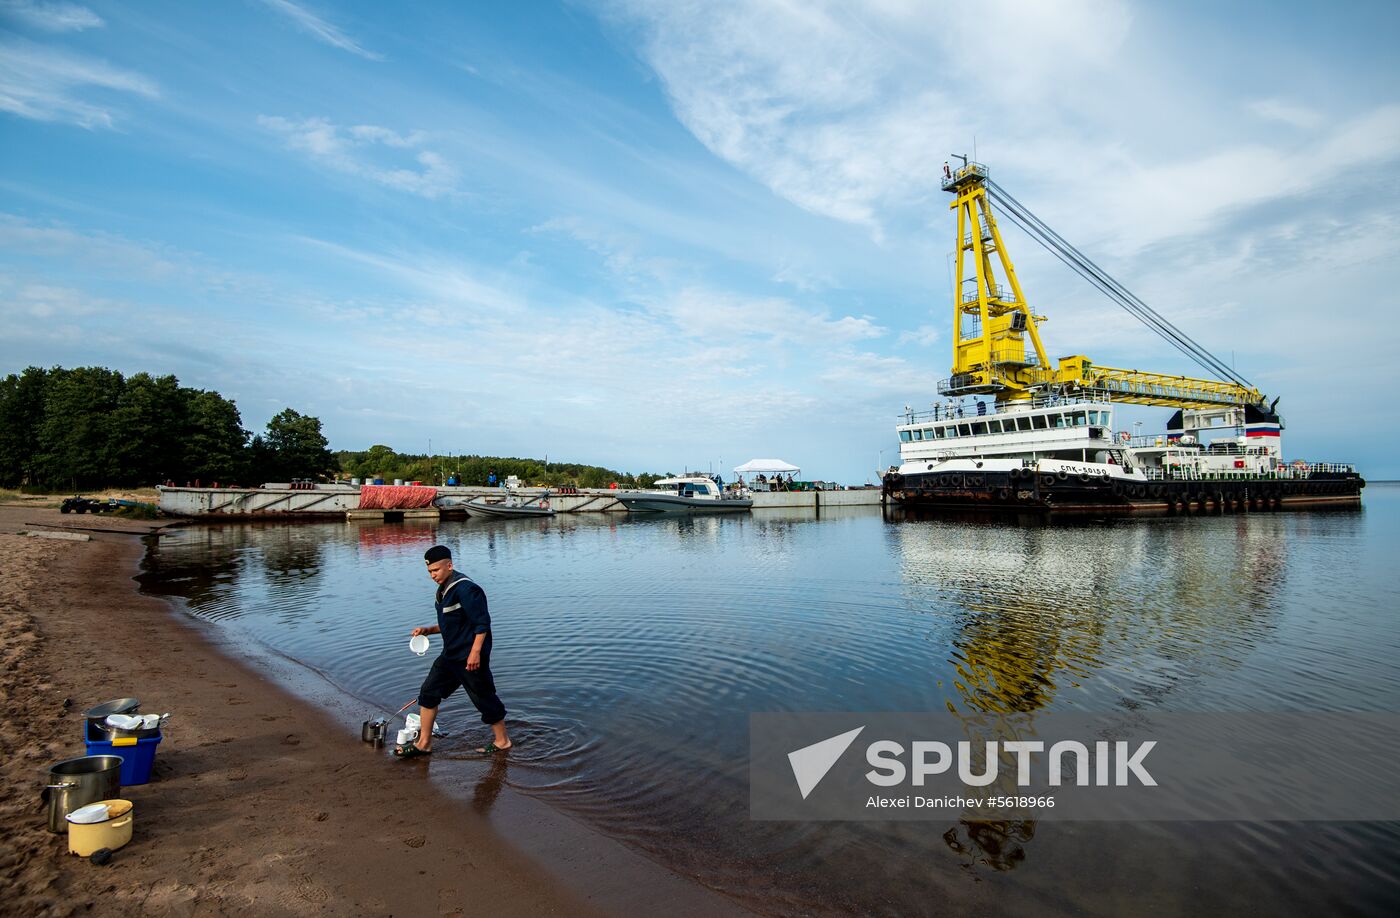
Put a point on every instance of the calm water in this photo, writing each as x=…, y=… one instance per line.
x=630, y=651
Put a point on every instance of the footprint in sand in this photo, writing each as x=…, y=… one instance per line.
x=416, y=841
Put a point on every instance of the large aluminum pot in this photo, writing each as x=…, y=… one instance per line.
x=78, y=782
x=97, y=716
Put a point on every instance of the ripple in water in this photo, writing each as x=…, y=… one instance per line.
x=630, y=652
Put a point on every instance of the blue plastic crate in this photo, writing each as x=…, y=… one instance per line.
x=138, y=755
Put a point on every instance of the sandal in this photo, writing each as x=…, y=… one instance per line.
x=491, y=748
x=410, y=751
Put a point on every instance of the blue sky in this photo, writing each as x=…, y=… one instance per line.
x=651, y=235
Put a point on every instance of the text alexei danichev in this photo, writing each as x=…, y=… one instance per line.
x=914, y=802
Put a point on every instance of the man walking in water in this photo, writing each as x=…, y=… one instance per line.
x=465, y=660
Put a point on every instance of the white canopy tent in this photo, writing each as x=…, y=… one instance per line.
x=766, y=467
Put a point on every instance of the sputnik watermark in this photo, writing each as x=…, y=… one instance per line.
x=1112, y=766
x=931, y=757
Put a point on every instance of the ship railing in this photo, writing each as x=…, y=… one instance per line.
x=994, y=292
x=964, y=173
x=942, y=412
x=1019, y=358
x=1292, y=471
x=1148, y=442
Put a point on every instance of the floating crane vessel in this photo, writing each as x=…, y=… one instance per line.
x=1015, y=431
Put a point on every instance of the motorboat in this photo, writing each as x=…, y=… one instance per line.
x=686, y=493
x=507, y=506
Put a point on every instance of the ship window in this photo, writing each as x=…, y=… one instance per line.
x=1057, y=420
x=1040, y=422
x=951, y=431
x=1023, y=423
x=918, y=434
x=979, y=428
x=905, y=436
x=938, y=433
x=928, y=433
x=994, y=426
x=964, y=430
x=1078, y=419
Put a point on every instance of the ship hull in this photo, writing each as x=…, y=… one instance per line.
x=643, y=502
x=1031, y=493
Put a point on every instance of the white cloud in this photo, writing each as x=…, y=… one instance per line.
x=450, y=287
x=52, y=17
x=319, y=29
x=1286, y=112
x=356, y=150
x=622, y=254
x=45, y=84
x=702, y=313
x=45, y=302
x=849, y=111
x=1136, y=204
x=93, y=250
x=923, y=336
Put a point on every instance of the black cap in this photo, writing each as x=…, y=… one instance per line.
x=437, y=553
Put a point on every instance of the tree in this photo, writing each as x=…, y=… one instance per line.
x=145, y=430
x=216, y=445
x=21, y=413
x=76, y=431
x=295, y=448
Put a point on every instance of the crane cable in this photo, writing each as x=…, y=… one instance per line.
x=1082, y=265
x=1203, y=359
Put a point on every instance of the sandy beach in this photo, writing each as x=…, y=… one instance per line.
x=259, y=804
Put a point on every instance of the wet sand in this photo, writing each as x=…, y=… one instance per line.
x=259, y=804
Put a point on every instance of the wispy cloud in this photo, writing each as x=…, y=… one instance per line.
x=1298, y=116
x=48, y=84
x=849, y=112
x=358, y=150
x=51, y=17
x=699, y=312
x=320, y=29
x=923, y=336
x=839, y=109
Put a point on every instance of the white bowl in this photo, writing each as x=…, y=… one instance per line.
x=418, y=644
x=87, y=815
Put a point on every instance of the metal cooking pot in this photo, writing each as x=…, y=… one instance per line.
x=78, y=782
x=98, y=716
x=373, y=731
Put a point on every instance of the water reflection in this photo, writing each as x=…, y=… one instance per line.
x=1036, y=609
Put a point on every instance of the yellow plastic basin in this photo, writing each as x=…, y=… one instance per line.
x=112, y=833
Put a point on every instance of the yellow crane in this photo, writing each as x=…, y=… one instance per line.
x=996, y=337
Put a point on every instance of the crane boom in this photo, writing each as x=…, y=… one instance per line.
x=996, y=338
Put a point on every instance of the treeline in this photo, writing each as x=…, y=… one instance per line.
x=91, y=427
x=381, y=461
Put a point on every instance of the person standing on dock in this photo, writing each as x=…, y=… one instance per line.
x=465, y=626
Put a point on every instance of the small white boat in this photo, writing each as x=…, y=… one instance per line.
x=687, y=493
x=509, y=506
